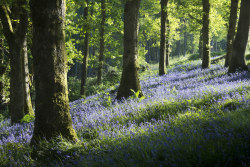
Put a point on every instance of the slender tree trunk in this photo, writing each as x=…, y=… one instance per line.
x=85, y=54
x=163, y=37
x=200, y=45
x=52, y=117
x=2, y=72
x=167, y=42
x=231, y=30
x=16, y=41
x=185, y=42
x=101, y=56
x=26, y=81
x=238, y=61
x=130, y=80
x=205, y=35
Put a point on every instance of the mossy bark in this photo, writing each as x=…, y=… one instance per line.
x=85, y=53
x=231, y=30
x=26, y=81
x=238, y=61
x=205, y=35
x=52, y=116
x=130, y=79
x=163, y=37
x=3, y=68
x=15, y=35
x=101, y=56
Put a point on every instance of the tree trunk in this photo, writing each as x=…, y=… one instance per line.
x=130, y=80
x=163, y=37
x=167, y=42
x=101, y=56
x=26, y=81
x=2, y=72
x=52, y=117
x=205, y=35
x=238, y=61
x=85, y=54
x=231, y=30
x=16, y=37
x=200, y=45
x=178, y=47
x=185, y=42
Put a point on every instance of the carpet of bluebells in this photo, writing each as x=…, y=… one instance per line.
x=188, y=117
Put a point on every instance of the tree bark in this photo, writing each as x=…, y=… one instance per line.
x=85, y=53
x=185, y=42
x=101, y=56
x=205, y=35
x=200, y=45
x=231, y=30
x=238, y=61
x=2, y=72
x=16, y=39
x=52, y=116
x=163, y=37
x=167, y=42
x=130, y=80
x=26, y=81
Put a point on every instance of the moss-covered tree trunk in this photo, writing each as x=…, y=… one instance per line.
x=15, y=34
x=238, y=61
x=85, y=52
x=3, y=68
x=52, y=116
x=101, y=56
x=231, y=30
x=163, y=37
x=205, y=35
x=130, y=79
x=26, y=81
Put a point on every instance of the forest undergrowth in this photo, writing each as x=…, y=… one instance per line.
x=188, y=117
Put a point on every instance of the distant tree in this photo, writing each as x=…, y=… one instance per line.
x=52, y=117
x=231, y=30
x=238, y=61
x=205, y=34
x=85, y=51
x=130, y=80
x=16, y=36
x=101, y=56
x=167, y=42
x=163, y=37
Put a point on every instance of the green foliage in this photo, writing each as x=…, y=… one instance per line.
x=16, y=154
x=28, y=118
x=1, y=117
x=107, y=101
x=137, y=95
